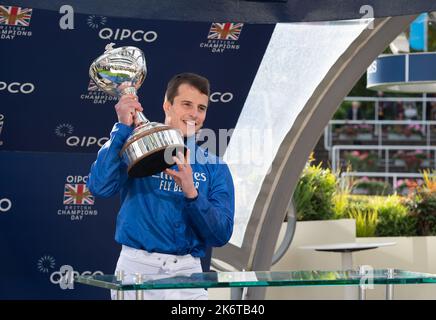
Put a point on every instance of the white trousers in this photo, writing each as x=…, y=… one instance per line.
x=160, y=265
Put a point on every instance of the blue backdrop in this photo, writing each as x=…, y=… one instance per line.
x=53, y=121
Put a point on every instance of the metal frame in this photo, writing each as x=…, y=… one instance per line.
x=336, y=153
x=239, y=10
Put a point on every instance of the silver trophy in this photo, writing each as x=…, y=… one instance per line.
x=150, y=147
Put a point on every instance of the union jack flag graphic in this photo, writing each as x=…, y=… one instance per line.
x=77, y=194
x=15, y=16
x=225, y=31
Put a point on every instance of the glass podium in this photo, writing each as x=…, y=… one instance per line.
x=361, y=278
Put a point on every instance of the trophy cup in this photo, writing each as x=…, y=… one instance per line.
x=150, y=147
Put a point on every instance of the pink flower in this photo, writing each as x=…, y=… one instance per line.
x=399, y=183
x=355, y=153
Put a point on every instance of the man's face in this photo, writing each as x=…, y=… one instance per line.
x=188, y=110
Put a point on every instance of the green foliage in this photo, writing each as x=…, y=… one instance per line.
x=363, y=212
x=380, y=216
x=366, y=221
x=341, y=195
x=372, y=187
x=320, y=196
x=432, y=36
x=360, y=90
x=340, y=205
x=429, y=181
x=426, y=212
x=423, y=205
x=394, y=218
x=361, y=160
x=341, y=112
x=313, y=194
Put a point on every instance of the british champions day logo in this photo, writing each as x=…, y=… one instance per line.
x=96, y=95
x=14, y=22
x=223, y=36
x=78, y=201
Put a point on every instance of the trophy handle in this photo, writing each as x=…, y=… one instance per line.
x=140, y=118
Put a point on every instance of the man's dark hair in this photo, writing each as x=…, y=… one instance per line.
x=195, y=80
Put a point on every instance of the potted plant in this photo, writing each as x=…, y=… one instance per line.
x=405, y=187
x=362, y=160
x=411, y=159
x=413, y=132
x=369, y=186
x=365, y=131
x=355, y=131
x=405, y=132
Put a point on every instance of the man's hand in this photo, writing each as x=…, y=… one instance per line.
x=183, y=176
x=126, y=108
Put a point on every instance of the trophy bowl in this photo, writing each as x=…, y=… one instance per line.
x=151, y=146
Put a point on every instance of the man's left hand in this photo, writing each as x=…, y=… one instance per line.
x=183, y=176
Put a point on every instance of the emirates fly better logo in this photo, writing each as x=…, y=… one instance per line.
x=222, y=37
x=14, y=22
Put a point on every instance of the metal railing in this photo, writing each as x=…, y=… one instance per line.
x=382, y=135
x=377, y=130
x=387, y=175
x=336, y=150
x=378, y=123
x=423, y=100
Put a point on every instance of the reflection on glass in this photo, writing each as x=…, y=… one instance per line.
x=257, y=279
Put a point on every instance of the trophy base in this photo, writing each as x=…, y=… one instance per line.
x=154, y=162
x=150, y=149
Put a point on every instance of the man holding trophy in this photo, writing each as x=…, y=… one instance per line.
x=176, y=199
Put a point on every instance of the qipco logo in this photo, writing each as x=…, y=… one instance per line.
x=121, y=34
x=223, y=97
x=75, y=141
x=5, y=205
x=65, y=276
x=17, y=87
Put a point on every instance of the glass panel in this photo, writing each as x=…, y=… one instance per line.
x=257, y=279
x=297, y=59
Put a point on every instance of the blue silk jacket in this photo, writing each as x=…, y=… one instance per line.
x=155, y=215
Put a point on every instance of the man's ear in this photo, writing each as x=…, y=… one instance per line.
x=166, y=106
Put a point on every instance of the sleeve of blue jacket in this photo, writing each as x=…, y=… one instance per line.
x=108, y=172
x=212, y=216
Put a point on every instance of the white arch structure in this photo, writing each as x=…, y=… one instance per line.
x=307, y=70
